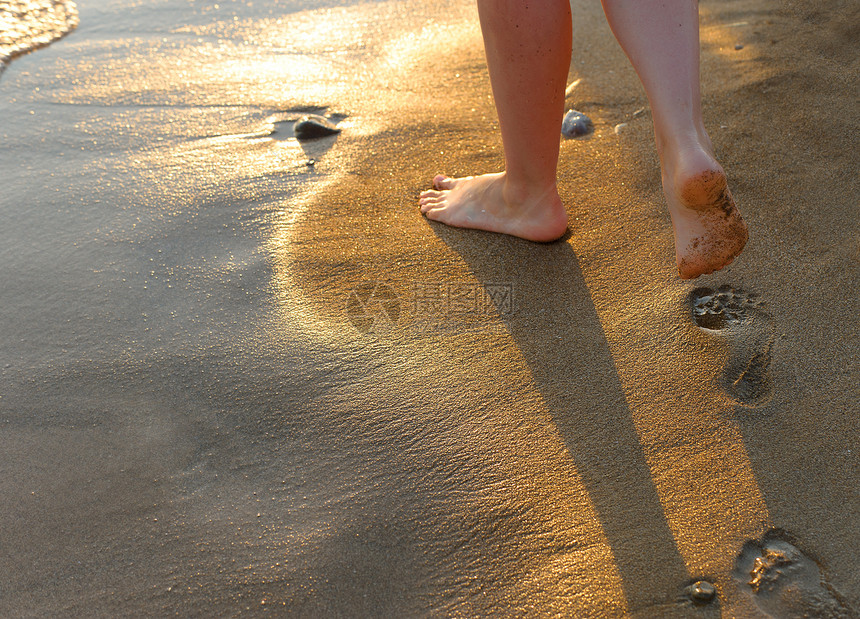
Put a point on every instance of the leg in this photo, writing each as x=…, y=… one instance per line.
x=528, y=45
x=662, y=41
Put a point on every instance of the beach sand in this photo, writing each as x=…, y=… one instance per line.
x=240, y=374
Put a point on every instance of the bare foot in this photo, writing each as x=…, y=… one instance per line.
x=709, y=229
x=490, y=202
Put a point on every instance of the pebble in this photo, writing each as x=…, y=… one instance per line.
x=620, y=127
x=702, y=591
x=739, y=46
x=312, y=126
x=576, y=124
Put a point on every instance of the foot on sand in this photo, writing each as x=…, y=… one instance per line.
x=709, y=230
x=786, y=583
x=491, y=202
x=740, y=318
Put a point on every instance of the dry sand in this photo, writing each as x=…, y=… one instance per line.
x=501, y=427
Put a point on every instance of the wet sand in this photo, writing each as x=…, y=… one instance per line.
x=234, y=382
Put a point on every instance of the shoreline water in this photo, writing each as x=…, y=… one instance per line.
x=194, y=425
x=26, y=25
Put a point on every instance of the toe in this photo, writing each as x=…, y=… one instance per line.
x=440, y=181
x=435, y=212
x=429, y=200
x=429, y=194
x=430, y=203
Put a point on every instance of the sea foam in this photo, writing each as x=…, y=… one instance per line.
x=29, y=24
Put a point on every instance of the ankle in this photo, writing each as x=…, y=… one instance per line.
x=525, y=192
x=679, y=163
x=672, y=146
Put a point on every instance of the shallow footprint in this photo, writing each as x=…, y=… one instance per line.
x=737, y=316
x=785, y=583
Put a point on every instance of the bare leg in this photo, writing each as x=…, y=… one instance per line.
x=661, y=38
x=528, y=45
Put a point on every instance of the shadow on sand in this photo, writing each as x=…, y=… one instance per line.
x=556, y=327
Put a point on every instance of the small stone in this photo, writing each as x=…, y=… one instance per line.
x=576, y=124
x=739, y=46
x=702, y=592
x=310, y=162
x=312, y=126
x=620, y=127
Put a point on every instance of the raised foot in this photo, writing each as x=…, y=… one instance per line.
x=490, y=202
x=709, y=229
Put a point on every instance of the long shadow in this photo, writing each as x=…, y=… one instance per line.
x=556, y=327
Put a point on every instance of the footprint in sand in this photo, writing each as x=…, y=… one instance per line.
x=785, y=583
x=739, y=317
